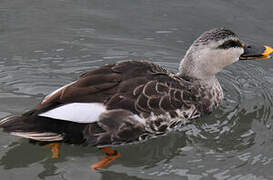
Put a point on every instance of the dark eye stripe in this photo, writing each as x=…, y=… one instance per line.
x=230, y=44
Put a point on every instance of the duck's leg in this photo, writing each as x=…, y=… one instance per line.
x=55, y=148
x=111, y=155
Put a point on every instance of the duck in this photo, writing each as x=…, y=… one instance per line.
x=130, y=101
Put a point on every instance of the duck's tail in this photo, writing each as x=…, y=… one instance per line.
x=19, y=126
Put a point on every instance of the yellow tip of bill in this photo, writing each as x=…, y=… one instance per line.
x=267, y=52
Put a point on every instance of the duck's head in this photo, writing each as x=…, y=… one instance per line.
x=214, y=50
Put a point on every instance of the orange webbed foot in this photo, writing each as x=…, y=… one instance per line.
x=111, y=155
x=55, y=148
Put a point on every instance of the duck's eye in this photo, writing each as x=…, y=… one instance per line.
x=230, y=44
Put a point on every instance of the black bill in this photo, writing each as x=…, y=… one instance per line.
x=255, y=52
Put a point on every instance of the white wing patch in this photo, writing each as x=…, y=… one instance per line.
x=76, y=112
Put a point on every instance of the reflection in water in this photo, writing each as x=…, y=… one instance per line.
x=18, y=156
x=49, y=169
x=21, y=154
x=106, y=175
x=146, y=154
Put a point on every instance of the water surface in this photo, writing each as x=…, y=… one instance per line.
x=46, y=44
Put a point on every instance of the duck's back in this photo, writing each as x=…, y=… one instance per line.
x=137, y=86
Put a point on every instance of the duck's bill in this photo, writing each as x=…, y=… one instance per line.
x=255, y=52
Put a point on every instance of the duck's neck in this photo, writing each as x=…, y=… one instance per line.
x=189, y=69
x=203, y=69
x=205, y=85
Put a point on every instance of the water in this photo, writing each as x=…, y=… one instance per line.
x=46, y=44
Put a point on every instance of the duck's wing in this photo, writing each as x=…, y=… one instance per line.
x=124, y=85
x=93, y=86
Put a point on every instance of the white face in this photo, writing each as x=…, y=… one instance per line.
x=207, y=60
